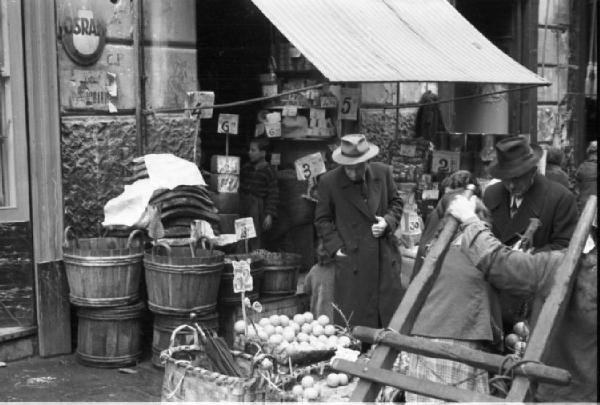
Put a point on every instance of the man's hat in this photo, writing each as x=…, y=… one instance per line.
x=354, y=149
x=514, y=157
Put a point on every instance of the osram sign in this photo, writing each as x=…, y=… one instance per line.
x=83, y=35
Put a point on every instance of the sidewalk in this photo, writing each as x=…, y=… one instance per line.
x=62, y=378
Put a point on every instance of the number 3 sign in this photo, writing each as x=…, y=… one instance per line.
x=228, y=124
x=310, y=166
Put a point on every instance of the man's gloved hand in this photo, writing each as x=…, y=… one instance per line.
x=379, y=228
x=463, y=208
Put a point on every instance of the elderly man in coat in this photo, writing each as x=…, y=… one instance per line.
x=356, y=216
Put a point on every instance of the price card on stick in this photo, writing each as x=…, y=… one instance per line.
x=310, y=166
x=228, y=124
x=349, y=104
x=242, y=279
x=244, y=228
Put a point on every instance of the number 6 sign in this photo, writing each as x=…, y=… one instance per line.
x=228, y=124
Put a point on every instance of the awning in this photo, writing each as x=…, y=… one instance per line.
x=392, y=40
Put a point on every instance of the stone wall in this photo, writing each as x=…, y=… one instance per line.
x=16, y=275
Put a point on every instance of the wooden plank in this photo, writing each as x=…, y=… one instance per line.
x=476, y=358
x=54, y=310
x=557, y=301
x=411, y=384
x=403, y=319
x=45, y=172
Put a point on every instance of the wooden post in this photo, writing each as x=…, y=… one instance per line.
x=475, y=358
x=557, y=301
x=411, y=304
x=140, y=75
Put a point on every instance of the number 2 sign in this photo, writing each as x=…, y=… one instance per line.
x=228, y=124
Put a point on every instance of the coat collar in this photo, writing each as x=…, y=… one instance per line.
x=531, y=207
x=368, y=208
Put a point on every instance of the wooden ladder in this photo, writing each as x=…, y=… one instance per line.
x=377, y=371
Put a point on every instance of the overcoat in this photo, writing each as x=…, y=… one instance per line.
x=367, y=283
x=546, y=200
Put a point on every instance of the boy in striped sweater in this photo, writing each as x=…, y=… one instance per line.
x=259, y=193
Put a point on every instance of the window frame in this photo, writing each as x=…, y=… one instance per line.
x=13, y=119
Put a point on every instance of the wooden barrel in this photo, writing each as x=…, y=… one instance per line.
x=230, y=313
x=110, y=337
x=103, y=272
x=164, y=325
x=226, y=293
x=179, y=282
x=280, y=274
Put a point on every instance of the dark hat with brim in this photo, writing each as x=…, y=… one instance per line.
x=514, y=157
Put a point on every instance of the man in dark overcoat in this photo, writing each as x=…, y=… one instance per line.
x=358, y=211
x=523, y=193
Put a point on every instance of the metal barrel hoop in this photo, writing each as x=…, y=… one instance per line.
x=69, y=231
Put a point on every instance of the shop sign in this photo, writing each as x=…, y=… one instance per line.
x=228, y=124
x=83, y=35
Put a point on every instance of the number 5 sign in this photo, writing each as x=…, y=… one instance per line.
x=228, y=124
x=349, y=104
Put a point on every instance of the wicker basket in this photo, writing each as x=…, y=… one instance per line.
x=186, y=380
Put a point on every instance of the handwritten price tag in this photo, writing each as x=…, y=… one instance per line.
x=445, y=159
x=408, y=150
x=289, y=111
x=275, y=159
x=228, y=124
x=200, y=99
x=310, y=166
x=349, y=104
x=430, y=194
x=273, y=129
x=244, y=228
x=242, y=278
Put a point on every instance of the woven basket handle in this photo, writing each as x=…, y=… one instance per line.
x=163, y=245
x=136, y=234
x=69, y=231
x=179, y=329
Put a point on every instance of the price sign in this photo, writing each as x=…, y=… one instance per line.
x=430, y=194
x=349, y=104
x=199, y=99
x=228, y=124
x=411, y=223
x=445, y=159
x=242, y=279
x=273, y=129
x=269, y=90
x=328, y=101
x=289, y=111
x=317, y=114
x=310, y=166
x=408, y=150
x=275, y=159
x=244, y=228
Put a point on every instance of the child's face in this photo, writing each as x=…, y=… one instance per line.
x=254, y=153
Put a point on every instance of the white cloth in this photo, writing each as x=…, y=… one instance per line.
x=164, y=171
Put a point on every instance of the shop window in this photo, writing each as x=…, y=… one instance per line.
x=14, y=200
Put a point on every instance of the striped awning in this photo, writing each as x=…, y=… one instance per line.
x=392, y=40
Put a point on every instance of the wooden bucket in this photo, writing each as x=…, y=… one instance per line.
x=164, y=325
x=228, y=314
x=226, y=294
x=103, y=272
x=179, y=282
x=280, y=274
x=110, y=337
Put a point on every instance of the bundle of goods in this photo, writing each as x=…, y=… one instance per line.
x=517, y=342
x=181, y=206
x=300, y=340
x=207, y=370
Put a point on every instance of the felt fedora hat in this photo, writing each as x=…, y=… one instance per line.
x=514, y=157
x=354, y=149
